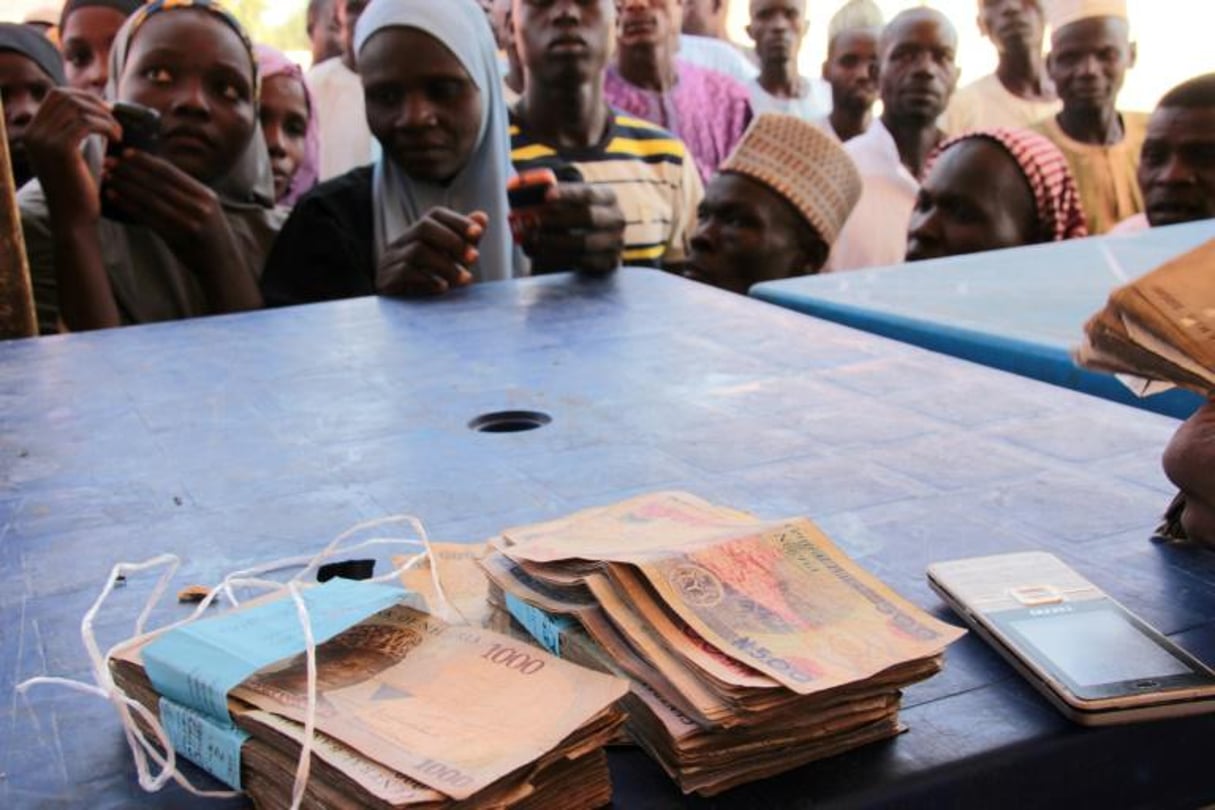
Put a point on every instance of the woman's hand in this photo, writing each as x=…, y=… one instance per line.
x=53, y=139
x=189, y=217
x=158, y=195
x=579, y=227
x=433, y=255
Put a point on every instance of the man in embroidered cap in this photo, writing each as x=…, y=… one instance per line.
x=775, y=207
x=851, y=68
x=917, y=76
x=1177, y=163
x=991, y=189
x=1091, y=50
x=1019, y=93
x=29, y=67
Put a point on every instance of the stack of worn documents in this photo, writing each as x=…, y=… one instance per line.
x=1159, y=331
x=410, y=712
x=752, y=647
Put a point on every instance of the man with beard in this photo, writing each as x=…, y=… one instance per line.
x=1091, y=51
x=1018, y=93
x=708, y=110
x=851, y=68
x=1177, y=163
x=639, y=188
x=917, y=76
x=775, y=207
x=778, y=27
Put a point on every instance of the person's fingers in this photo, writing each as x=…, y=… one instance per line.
x=573, y=244
x=566, y=214
x=425, y=258
x=434, y=232
x=466, y=227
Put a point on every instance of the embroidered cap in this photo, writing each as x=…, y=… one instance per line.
x=804, y=165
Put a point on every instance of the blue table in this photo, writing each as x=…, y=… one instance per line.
x=235, y=440
x=1021, y=310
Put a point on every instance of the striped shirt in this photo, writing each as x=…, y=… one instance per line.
x=656, y=183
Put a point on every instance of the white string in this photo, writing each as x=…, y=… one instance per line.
x=162, y=753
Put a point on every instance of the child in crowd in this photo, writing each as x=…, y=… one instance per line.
x=431, y=213
x=29, y=67
x=185, y=230
x=86, y=33
x=289, y=125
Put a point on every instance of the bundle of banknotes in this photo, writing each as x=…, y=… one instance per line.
x=413, y=712
x=1159, y=331
x=751, y=647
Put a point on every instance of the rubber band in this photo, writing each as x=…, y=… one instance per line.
x=144, y=752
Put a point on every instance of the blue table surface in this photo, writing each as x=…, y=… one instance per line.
x=239, y=439
x=1021, y=310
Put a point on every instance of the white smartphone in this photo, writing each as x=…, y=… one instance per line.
x=1093, y=659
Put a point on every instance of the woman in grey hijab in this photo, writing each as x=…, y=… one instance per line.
x=431, y=214
x=184, y=231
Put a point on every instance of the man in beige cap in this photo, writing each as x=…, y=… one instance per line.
x=1091, y=51
x=775, y=206
x=851, y=68
x=1019, y=93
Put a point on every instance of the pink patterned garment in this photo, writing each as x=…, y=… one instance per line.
x=707, y=110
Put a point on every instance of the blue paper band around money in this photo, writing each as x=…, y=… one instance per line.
x=195, y=666
x=544, y=627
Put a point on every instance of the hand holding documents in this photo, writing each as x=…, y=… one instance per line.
x=1159, y=330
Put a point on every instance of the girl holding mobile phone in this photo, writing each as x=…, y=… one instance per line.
x=200, y=214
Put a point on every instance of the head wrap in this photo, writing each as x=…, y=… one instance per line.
x=804, y=165
x=1065, y=12
x=1056, y=199
x=125, y=7
x=250, y=180
x=271, y=63
x=399, y=201
x=853, y=15
x=30, y=43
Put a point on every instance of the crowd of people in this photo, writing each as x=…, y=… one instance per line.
x=385, y=169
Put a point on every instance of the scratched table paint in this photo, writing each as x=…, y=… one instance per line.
x=1020, y=310
x=235, y=440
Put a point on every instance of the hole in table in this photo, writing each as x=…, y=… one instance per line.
x=510, y=421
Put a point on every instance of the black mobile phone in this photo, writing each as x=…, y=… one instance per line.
x=140, y=130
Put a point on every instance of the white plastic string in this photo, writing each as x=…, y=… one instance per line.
x=162, y=752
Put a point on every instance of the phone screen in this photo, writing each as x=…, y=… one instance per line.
x=1097, y=650
x=1098, y=646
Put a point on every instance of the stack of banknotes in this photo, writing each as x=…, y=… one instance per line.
x=413, y=712
x=1159, y=331
x=751, y=647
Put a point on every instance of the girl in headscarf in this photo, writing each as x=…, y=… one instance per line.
x=431, y=213
x=86, y=33
x=29, y=68
x=192, y=224
x=990, y=189
x=288, y=122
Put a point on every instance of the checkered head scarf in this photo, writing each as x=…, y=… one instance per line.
x=1056, y=198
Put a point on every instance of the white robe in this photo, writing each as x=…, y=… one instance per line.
x=875, y=234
